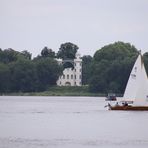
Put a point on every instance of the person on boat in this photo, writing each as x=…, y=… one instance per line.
x=109, y=105
x=125, y=104
x=117, y=104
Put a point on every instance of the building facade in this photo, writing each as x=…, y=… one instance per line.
x=71, y=77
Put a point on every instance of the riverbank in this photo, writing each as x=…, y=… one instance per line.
x=60, y=91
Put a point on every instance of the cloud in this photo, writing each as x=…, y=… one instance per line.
x=30, y=8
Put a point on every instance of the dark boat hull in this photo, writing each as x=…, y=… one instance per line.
x=129, y=108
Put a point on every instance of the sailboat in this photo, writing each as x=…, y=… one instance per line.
x=136, y=92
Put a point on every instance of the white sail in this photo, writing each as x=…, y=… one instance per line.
x=137, y=86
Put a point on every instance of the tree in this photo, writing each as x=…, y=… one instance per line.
x=26, y=54
x=18, y=73
x=145, y=58
x=46, y=52
x=67, y=51
x=111, y=67
x=8, y=55
x=23, y=76
x=48, y=72
x=86, y=65
x=4, y=78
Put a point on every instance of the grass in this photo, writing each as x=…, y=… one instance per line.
x=60, y=91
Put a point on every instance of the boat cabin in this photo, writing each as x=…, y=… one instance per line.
x=111, y=97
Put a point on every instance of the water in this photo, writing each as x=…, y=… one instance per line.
x=69, y=122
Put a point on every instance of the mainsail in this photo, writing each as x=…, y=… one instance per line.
x=137, y=86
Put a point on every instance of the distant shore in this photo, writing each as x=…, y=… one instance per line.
x=59, y=91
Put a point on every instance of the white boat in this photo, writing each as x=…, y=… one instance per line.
x=136, y=92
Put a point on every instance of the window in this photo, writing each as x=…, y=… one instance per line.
x=75, y=77
x=63, y=76
x=67, y=76
x=80, y=70
x=71, y=76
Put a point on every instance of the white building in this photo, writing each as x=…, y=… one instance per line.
x=71, y=77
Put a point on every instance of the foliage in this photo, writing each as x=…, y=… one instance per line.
x=47, y=71
x=107, y=71
x=46, y=52
x=26, y=54
x=18, y=73
x=4, y=78
x=86, y=65
x=111, y=67
x=10, y=55
x=23, y=76
x=67, y=51
x=60, y=91
x=145, y=57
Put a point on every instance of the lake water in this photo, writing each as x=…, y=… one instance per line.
x=69, y=122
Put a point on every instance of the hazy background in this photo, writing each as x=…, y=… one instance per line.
x=90, y=24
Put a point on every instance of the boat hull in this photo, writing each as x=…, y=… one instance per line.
x=129, y=108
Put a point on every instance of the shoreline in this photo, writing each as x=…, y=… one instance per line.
x=58, y=91
x=77, y=91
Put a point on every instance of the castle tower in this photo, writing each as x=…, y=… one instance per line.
x=71, y=77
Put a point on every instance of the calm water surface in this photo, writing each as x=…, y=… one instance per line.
x=69, y=122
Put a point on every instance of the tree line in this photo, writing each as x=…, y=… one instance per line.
x=111, y=67
x=107, y=71
x=20, y=73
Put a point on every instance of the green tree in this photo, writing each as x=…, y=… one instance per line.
x=46, y=52
x=48, y=72
x=4, y=78
x=86, y=65
x=145, y=57
x=67, y=51
x=26, y=54
x=23, y=76
x=19, y=73
x=8, y=55
x=111, y=67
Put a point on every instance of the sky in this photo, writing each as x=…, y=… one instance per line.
x=90, y=24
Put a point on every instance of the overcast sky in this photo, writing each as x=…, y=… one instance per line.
x=90, y=24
